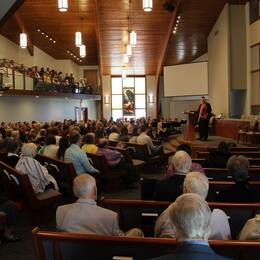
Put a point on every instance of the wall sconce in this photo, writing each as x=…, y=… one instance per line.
x=107, y=99
x=151, y=99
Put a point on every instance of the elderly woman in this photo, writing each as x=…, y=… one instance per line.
x=39, y=177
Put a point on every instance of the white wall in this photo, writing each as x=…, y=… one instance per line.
x=218, y=55
x=151, y=89
x=41, y=109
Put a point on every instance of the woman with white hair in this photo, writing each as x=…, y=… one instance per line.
x=197, y=183
x=170, y=188
x=38, y=175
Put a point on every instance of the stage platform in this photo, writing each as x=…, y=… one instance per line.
x=198, y=145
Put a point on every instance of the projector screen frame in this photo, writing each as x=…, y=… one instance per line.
x=189, y=95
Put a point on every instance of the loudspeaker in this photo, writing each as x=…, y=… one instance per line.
x=169, y=5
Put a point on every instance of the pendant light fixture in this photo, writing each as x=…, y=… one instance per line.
x=147, y=5
x=128, y=50
x=63, y=5
x=82, y=51
x=78, y=39
x=124, y=73
x=133, y=38
x=126, y=59
x=23, y=40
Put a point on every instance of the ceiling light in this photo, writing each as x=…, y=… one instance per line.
x=147, y=5
x=128, y=50
x=23, y=40
x=63, y=5
x=133, y=38
x=54, y=41
x=82, y=51
x=78, y=39
x=179, y=17
x=126, y=59
x=38, y=30
x=174, y=31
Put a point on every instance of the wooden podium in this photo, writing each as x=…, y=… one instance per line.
x=190, y=134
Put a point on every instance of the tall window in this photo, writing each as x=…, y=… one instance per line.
x=128, y=97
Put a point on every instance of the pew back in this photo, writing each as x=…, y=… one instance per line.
x=67, y=246
x=143, y=214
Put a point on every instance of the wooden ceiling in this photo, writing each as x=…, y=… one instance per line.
x=105, y=27
x=197, y=20
x=45, y=15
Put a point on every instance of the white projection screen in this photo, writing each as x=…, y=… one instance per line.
x=186, y=80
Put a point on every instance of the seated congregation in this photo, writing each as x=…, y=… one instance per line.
x=64, y=169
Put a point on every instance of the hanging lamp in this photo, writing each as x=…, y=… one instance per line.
x=82, y=51
x=63, y=5
x=78, y=39
x=147, y=5
x=23, y=40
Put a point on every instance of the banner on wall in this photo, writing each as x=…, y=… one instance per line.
x=128, y=102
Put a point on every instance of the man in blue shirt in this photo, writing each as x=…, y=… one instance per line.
x=75, y=155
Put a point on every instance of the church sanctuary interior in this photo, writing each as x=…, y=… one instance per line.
x=129, y=129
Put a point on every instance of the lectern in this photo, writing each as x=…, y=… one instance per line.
x=190, y=134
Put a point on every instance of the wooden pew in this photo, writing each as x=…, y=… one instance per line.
x=147, y=187
x=239, y=149
x=39, y=205
x=254, y=162
x=67, y=246
x=141, y=152
x=143, y=213
x=64, y=175
x=222, y=174
x=110, y=178
x=138, y=164
x=203, y=155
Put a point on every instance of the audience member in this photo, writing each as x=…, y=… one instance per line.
x=144, y=138
x=218, y=158
x=89, y=143
x=12, y=148
x=63, y=145
x=195, y=182
x=85, y=216
x=117, y=162
x=241, y=191
x=115, y=132
x=251, y=230
x=191, y=216
x=75, y=155
x=38, y=175
x=51, y=148
x=170, y=188
x=195, y=167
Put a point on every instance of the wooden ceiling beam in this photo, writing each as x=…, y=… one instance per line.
x=162, y=58
x=23, y=29
x=99, y=49
x=11, y=11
